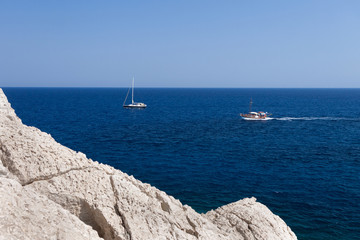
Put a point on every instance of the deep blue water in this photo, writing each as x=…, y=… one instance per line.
x=304, y=165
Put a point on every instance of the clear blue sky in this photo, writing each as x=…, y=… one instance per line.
x=180, y=43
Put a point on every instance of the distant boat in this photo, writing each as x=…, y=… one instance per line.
x=255, y=115
x=133, y=104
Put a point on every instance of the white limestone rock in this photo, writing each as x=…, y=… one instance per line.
x=117, y=206
x=251, y=220
x=26, y=214
x=33, y=155
x=88, y=194
x=5, y=109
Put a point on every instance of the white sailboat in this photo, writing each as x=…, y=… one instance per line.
x=133, y=104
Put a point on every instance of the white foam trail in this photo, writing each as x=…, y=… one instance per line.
x=316, y=118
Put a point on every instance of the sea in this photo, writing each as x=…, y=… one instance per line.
x=304, y=164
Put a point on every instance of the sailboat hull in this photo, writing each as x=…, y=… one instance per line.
x=135, y=105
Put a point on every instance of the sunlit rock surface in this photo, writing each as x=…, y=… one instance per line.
x=48, y=191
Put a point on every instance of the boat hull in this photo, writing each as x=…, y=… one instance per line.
x=128, y=106
x=139, y=105
x=256, y=119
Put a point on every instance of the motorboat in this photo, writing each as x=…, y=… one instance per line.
x=255, y=115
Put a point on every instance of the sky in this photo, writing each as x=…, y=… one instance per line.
x=227, y=44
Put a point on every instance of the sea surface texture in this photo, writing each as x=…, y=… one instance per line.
x=191, y=143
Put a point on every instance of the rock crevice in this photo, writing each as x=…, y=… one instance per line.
x=49, y=177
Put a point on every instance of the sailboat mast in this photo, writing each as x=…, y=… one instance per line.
x=250, y=104
x=132, y=95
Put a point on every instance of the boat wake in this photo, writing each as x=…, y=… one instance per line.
x=316, y=118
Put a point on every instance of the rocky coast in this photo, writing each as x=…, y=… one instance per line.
x=48, y=191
